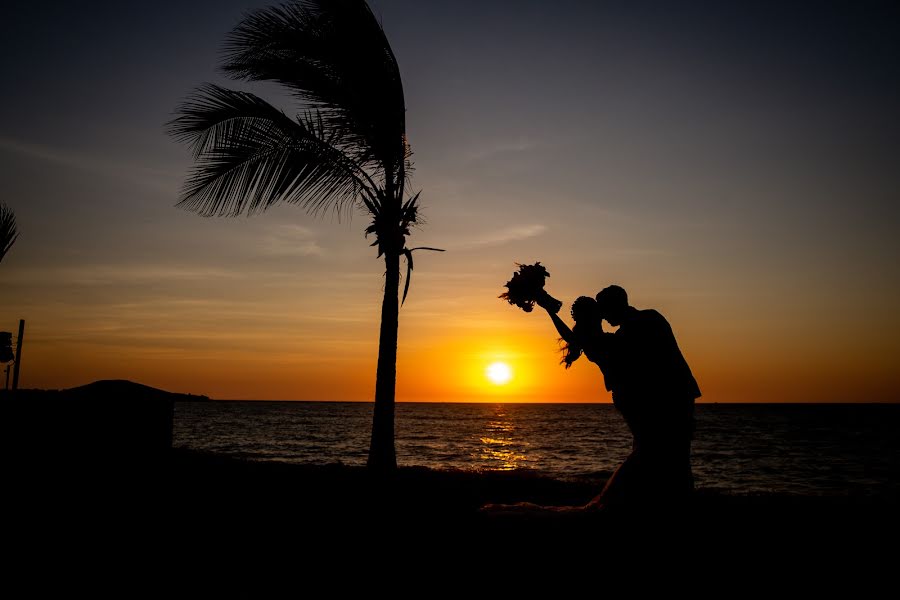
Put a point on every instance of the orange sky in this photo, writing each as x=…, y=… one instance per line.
x=254, y=342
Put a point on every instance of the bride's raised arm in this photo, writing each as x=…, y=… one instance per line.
x=551, y=307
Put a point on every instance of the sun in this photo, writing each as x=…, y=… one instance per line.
x=499, y=373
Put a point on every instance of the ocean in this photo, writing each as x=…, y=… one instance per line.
x=846, y=449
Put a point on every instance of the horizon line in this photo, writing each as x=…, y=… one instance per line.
x=604, y=402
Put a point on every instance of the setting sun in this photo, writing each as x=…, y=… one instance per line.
x=499, y=373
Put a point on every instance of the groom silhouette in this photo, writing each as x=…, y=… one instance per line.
x=654, y=389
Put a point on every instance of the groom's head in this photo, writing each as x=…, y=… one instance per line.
x=612, y=303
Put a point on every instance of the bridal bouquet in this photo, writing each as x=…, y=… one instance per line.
x=527, y=287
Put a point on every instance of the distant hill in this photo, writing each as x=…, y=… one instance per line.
x=107, y=389
x=110, y=388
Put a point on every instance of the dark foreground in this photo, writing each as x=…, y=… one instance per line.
x=197, y=497
x=131, y=494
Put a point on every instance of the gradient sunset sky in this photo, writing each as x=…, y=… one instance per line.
x=735, y=166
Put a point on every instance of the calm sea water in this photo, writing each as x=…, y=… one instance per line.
x=799, y=449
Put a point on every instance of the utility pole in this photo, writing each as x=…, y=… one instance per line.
x=18, y=354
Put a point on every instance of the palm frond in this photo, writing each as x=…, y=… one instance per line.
x=8, y=230
x=249, y=155
x=334, y=56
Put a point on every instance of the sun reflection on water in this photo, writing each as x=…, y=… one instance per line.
x=499, y=449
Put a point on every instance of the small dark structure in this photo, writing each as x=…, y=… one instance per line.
x=102, y=424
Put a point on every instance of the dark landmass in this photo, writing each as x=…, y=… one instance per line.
x=105, y=389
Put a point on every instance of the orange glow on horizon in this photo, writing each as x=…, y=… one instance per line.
x=332, y=357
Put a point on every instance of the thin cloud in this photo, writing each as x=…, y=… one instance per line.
x=504, y=236
x=292, y=240
x=118, y=274
x=150, y=178
x=639, y=252
x=486, y=151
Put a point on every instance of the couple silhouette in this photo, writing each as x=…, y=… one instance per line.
x=652, y=387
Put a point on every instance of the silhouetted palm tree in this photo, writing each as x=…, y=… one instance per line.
x=346, y=150
x=8, y=230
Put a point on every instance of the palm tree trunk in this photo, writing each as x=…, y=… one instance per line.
x=382, y=455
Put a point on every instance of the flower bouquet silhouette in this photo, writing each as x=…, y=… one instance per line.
x=526, y=288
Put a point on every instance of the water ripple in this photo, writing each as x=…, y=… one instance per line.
x=739, y=448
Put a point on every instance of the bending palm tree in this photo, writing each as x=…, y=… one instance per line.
x=347, y=150
x=8, y=230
